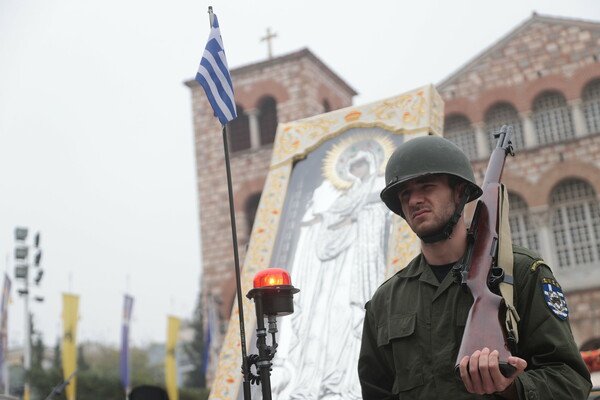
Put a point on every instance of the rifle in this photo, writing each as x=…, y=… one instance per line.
x=479, y=270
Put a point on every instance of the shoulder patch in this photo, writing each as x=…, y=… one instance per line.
x=555, y=298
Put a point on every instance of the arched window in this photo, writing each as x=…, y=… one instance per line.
x=267, y=120
x=250, y=209
x=503, y=114
x=239, y=131
x=522, y=229
x=326, y=106
x=458, y=129
x=575, y=220
x=552, y=118
x=591, y=106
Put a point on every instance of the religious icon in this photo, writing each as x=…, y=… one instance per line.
x=339, y=260
x=321, y=219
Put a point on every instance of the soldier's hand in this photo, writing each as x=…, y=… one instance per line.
x=481, y=373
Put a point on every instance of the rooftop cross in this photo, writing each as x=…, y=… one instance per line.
x=268, y=39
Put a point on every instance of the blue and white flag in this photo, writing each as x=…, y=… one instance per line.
x=213, y=75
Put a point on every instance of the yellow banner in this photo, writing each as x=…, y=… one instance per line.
x=69, y=345
x=170, y=361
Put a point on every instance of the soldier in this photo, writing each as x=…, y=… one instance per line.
x=415, y=321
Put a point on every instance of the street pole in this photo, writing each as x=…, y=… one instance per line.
x=27, y=346
x=4, y=344
x=22, y=272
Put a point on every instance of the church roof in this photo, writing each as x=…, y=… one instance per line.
x=293, y=56
x=504, y=41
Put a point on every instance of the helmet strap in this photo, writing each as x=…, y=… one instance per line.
x=446, y=232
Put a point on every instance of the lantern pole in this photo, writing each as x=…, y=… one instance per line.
x=273, y=296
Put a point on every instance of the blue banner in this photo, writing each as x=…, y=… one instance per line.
x=124, y=361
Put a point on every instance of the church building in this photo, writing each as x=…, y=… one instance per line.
x=543, y=78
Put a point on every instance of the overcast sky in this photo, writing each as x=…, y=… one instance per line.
x=96, y=137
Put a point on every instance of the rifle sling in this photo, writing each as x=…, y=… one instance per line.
x=505, y=260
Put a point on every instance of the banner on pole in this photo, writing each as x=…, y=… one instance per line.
x=208, y=342
x=124, y=359
x=170, y=359
x=69, y=342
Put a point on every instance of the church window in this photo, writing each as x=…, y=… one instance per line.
x=522, y=228
x=458, y=130
x=267, y=120
x=239, y=131
x=552, y=118
x=591, y=106
x=250, y=209
x=575, y=220
x=503, y=114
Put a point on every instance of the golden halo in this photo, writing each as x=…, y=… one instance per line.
x=334, y=163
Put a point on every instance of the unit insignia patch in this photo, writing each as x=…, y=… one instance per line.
x=555, y=298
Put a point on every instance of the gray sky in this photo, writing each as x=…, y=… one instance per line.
x=96, y=139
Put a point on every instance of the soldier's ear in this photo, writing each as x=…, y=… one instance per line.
x=459, y=190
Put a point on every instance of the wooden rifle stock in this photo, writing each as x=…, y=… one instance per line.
x=479, y=269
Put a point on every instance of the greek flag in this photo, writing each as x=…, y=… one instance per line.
x=213, y=75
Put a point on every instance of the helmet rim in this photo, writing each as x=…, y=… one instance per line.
x=422, y=156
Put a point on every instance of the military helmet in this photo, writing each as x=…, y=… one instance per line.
x=424, y=156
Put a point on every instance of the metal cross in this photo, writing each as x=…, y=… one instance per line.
x=268, y=39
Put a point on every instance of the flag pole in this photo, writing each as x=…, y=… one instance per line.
x=245, y=366
x=211, y=16
x=236, y=257
x=213, y=76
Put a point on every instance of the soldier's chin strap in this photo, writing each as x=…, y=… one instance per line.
x=446, y=232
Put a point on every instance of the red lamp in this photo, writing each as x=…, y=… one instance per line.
x=274, y=291
x=272, y=277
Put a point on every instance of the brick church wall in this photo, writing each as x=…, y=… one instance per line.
x=542, y=56
x=533, y=173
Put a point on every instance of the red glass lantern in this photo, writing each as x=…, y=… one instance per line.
x=273, y=292
x=272, y=277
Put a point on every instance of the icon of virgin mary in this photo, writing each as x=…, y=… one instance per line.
x=339, y=261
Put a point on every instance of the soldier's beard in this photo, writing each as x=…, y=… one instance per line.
x=437, y=220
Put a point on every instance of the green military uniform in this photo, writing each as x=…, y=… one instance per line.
x=414, y=325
